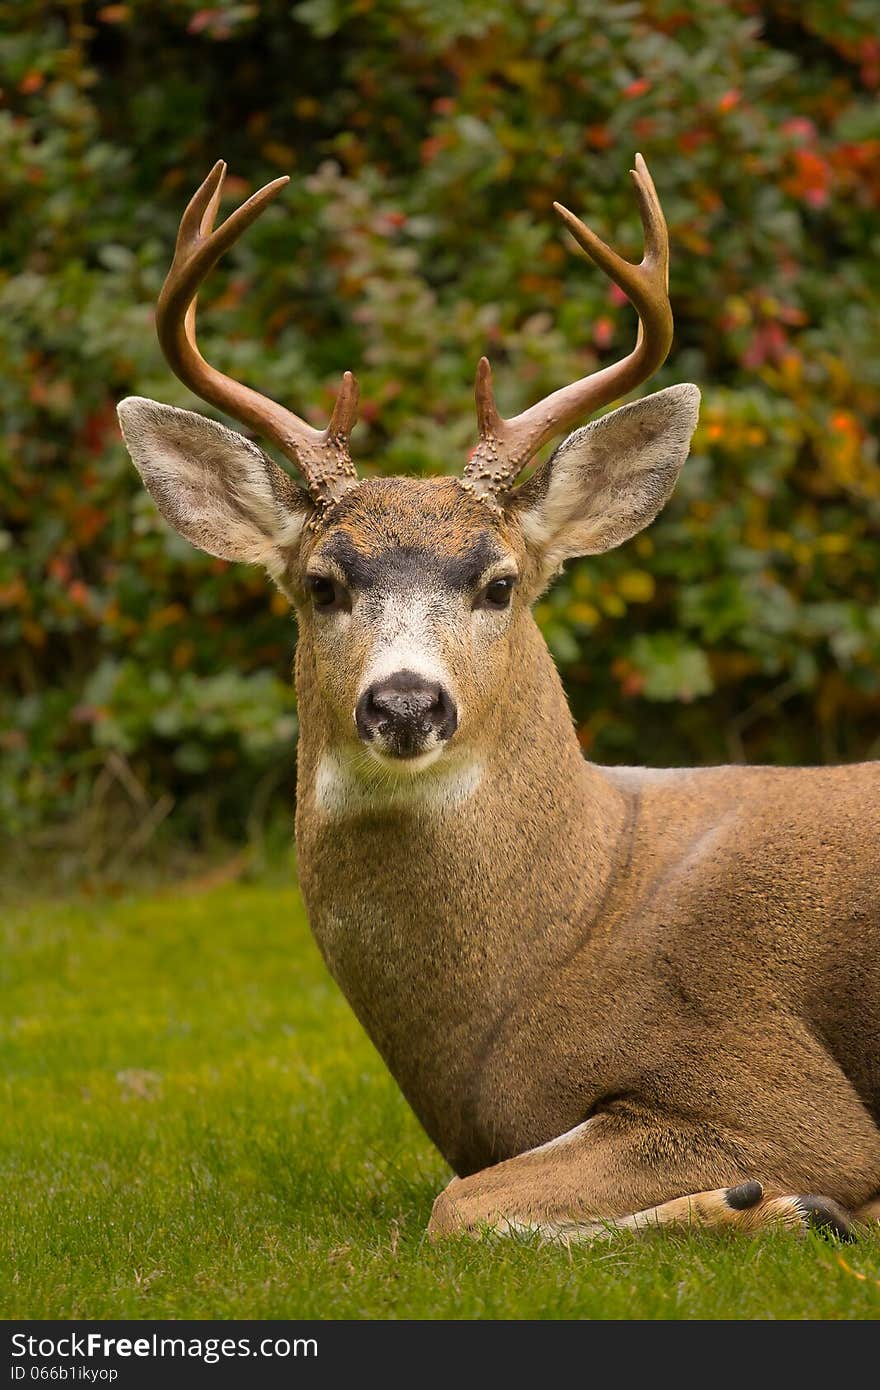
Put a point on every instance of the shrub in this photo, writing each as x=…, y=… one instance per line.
x=427, y=139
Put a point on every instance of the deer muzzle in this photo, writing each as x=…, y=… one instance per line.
x=404, y=715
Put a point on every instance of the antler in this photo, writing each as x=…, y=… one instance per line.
x=506, y=446
x=322, y=456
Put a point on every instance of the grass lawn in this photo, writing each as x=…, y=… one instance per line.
x=193, y=1125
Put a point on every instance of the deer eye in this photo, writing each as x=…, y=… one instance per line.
x=325, y=593
x=497, y=594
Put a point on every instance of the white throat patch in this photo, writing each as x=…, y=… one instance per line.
x=350, y=784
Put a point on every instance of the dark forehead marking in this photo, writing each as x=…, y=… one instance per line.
x=409, y=563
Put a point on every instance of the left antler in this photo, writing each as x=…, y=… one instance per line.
x=506, y=446
x=322, y=456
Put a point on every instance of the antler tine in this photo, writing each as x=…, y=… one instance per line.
x=344, y=416
x=506, y=446
x=322, y=456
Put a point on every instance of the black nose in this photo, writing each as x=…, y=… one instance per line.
x=404, y=710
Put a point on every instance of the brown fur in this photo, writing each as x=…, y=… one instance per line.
x=675, y=971
x=869, y=1213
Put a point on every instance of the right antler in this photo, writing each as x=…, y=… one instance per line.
x=506, y=446
x=322, y=456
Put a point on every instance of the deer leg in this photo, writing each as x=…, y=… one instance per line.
x=744, y=1208
x=596, y=1179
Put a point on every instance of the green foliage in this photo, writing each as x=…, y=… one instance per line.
x=427, y=139
x=193, y=1125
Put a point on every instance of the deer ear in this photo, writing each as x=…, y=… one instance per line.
x=607, y=481
x=215, y=487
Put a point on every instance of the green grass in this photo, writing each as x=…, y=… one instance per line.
x=193, y=1125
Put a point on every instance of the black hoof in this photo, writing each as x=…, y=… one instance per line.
x=747, y=1194
x=824, y=1215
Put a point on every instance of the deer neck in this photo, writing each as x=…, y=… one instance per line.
x=436, y=905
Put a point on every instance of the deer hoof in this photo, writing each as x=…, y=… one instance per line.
x=826, y=1216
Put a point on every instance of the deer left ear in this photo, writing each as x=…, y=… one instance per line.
x=606, y=482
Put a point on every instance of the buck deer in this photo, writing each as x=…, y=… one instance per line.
x=614, y=997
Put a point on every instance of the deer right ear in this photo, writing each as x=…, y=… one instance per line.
x=215, y=487
x=608, y=481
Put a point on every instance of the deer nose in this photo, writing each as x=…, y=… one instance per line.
x=403, y=711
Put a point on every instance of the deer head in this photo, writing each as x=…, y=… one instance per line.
x=409, y=592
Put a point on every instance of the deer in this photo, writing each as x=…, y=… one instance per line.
x=615, y=998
